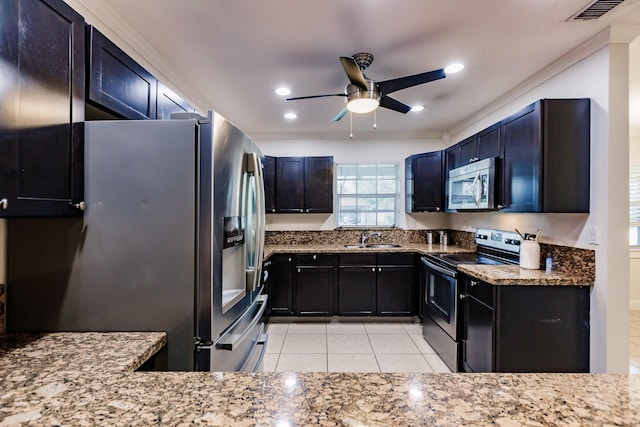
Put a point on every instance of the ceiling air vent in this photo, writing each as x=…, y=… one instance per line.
x=596, y=9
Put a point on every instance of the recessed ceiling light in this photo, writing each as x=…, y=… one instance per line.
x=290, y=116
x=283, y=91
x=417, y=108
x=453, y=68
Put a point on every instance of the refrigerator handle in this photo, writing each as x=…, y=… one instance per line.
x=260, y=214
x=231, y=340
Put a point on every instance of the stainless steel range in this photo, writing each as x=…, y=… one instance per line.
x=442, y=320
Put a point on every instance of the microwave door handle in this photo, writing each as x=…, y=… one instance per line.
x=475, y=187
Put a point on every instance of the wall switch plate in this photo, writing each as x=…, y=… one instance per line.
x=594, y=231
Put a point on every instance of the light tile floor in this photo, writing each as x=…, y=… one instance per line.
x=349, y=347
x=634, y=342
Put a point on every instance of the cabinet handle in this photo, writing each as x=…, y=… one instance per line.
x=82, y=205
x=473, y=283
x=438, y=209
x=273, y=210
x=463, y=296
x=298, y=270
x=315, y=256
x=373, y=269
x=379, y=270
x=500, y=206
x=307, y=210
x=301, y=210
x=4, y=204
x=289, y=259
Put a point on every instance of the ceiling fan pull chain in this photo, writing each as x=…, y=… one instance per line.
x=375, y=119
x=351, y=125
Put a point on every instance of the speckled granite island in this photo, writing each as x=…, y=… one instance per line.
x=88, y=379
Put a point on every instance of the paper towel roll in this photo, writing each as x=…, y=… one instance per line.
x=530, y=255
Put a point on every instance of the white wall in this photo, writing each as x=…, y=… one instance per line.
x=352, y=151
x=602, y=76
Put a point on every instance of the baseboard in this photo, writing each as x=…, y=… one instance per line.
x=634, y=304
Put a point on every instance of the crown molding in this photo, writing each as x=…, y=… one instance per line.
x=101, y=15
x=576, y=55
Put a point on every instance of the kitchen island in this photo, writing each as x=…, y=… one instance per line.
x=90, y=379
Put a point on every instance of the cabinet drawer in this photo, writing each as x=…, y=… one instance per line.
x=357, y=259
x=314, y=259
x=392, y=258
x=480, y=290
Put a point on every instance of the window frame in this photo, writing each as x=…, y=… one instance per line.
x=357, y=211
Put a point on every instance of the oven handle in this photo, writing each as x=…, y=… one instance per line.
x=437, y=268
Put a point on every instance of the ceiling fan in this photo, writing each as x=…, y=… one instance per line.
x=364, y=95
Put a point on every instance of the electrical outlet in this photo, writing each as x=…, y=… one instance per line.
x=593, y=235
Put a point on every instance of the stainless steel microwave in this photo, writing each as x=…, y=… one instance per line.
x=472, y=187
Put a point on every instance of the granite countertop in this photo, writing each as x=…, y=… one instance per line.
x=494, y=274
x=343, y=249
x=514, y=275
x=87, y=379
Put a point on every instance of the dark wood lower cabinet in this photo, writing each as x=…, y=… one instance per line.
x=524, y=328
x=314, y=290
x=281, y=285
x=395, y=291
x=357, y=285
x=347, y=285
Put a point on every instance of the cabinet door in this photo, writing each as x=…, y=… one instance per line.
x=314, y=290
x=477, y=343
x=394, y=290
x=281, y=285
x=269, y=168
x=488, y=142
x=318, y=184
x=467, y=151
x=117, y=82
x=168, y=102
x=521, y=152
x=290, y=184
x=42, y=108
x=427, y=182
x=357, y=295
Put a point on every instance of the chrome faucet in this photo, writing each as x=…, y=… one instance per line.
x=366, y=236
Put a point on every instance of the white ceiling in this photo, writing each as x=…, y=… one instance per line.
x=231, y=55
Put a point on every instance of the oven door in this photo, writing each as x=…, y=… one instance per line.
x=441, y=296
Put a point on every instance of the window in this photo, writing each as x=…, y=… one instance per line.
x=634, y=205
x=367, y=195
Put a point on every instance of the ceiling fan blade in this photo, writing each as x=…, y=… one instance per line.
x=392, y=104
x=316, y=96
x=390, y=86
x=340, y=115
x=353, y=72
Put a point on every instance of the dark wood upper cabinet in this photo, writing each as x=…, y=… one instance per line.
x=546, y=157
x=483, y=145
x=168, y=102
x=116, y=82
x=42, y=112
x=424, y=183
x=290, y=184
x=302, y=184
x=269, y=169
x=318, y=184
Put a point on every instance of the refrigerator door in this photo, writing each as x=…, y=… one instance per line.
x=231, y=228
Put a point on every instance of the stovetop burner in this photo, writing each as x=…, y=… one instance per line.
x=476, y=258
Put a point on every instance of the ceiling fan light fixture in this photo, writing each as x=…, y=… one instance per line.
x=453, y=68
x=362, y=105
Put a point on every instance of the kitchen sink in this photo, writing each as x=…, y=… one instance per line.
x=379, y=246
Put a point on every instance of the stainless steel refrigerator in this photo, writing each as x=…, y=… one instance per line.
x=171, y=239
